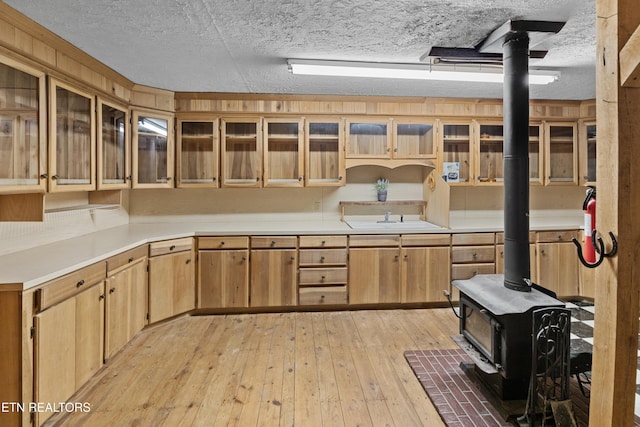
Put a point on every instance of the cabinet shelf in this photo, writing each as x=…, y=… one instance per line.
x=388, y=203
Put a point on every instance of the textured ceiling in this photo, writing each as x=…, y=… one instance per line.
x=243, y=45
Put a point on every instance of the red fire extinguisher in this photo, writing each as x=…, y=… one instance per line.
x=589, y=208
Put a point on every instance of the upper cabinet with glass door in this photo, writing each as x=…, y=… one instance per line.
x=536, y=163
x=241, y=152
x=153, y=150
x=198, y=153
x=71, y=139
x=490, y=161
x=413, y=138
x=324, y=152
x=561, y=154
x=114, y=146
x=588, y=137
x=283, y=153
x=456, y=161
x=368, y=138
x=23, y=154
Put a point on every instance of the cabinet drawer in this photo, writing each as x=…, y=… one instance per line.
x=323, y=295
x=120, y=260
x=224, y=242
x=323, y=276
x=473, y=254
x=426, y=239
x=319, y=257
x=373, y=240
x=273, y=242
x=467, y=271
x=170, y=246
x=557, y=236
x=473, y=239
x=69, y=285
x=323, y=241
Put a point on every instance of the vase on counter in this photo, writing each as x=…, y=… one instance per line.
x=381, y=187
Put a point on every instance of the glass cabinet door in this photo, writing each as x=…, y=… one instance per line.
x=325, y=163
x=561, y=155
x=198, y=150
x=368, y=138
x=413, y=139
x=114, y=148
x=456, y=152
x=241, y=152
x=72, y=139
x=588, y=145
x=536, y=165
x=22, y=131
x=283, y=153
x=152, y=150
x=491, y=149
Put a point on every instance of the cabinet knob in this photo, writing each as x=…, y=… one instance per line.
x=80, y=283
x=406, y=257
x=340, y=178
x=172, y=247
x=188, y=261
x=55, y=177
x=299, y=178
x=168, y=178
x=112, y=290
x=129, y=178
x=131, y=259
x=101, y=297
x=215, y=179
x=244, y=258
x=321, y=259
x=222, y=243
x=44, y=176
x=293, y=258
x=324, y=242
x=322, y=278
x=474, y=256
x=273, y=242
x=396, y=257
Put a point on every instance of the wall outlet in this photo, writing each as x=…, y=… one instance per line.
x=316, y=206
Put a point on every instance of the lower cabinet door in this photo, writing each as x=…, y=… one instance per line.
x=273, y=277
x=374, y=275
x=172, y=286
x=223, y=278
x=425, y=274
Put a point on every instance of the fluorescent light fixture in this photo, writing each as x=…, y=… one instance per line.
x=448, y=72
x=152, y=127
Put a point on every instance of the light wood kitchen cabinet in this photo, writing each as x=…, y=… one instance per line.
x=172, y=286
x=324, y=152
x=322, y=270
x=241, y=152
x=126, y=295
x=153, y=149
x=72, y=138
x=114, y=146
x=561, y=155
x=223, y=272
x=23, y=149
x=198, y=151
x=587, y=149
x=368, y=137
x=69, y=334
x=274, y=268
x=413, y=137
x=374, y=269
x=471, y=254
x=557, y=262
x=422, y=277
x=490, y=153
x=536, y=150
x=456, y=162
x=283, y=152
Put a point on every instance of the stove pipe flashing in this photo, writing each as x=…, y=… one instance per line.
x=517, y=271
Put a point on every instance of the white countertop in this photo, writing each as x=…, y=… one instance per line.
x=28, y=268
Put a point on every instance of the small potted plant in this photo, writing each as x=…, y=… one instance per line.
x=381, y=185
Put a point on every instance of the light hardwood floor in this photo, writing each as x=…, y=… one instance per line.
x=277, y=369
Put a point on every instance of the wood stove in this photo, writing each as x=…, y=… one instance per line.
x=497, y=323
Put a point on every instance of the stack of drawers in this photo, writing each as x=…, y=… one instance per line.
x=323, y=270
x=471, y=254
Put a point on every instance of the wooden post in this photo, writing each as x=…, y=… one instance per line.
x=618, y=205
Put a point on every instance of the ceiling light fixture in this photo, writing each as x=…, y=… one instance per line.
x=448, y=72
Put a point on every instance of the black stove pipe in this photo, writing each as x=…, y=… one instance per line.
x=516, y=161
